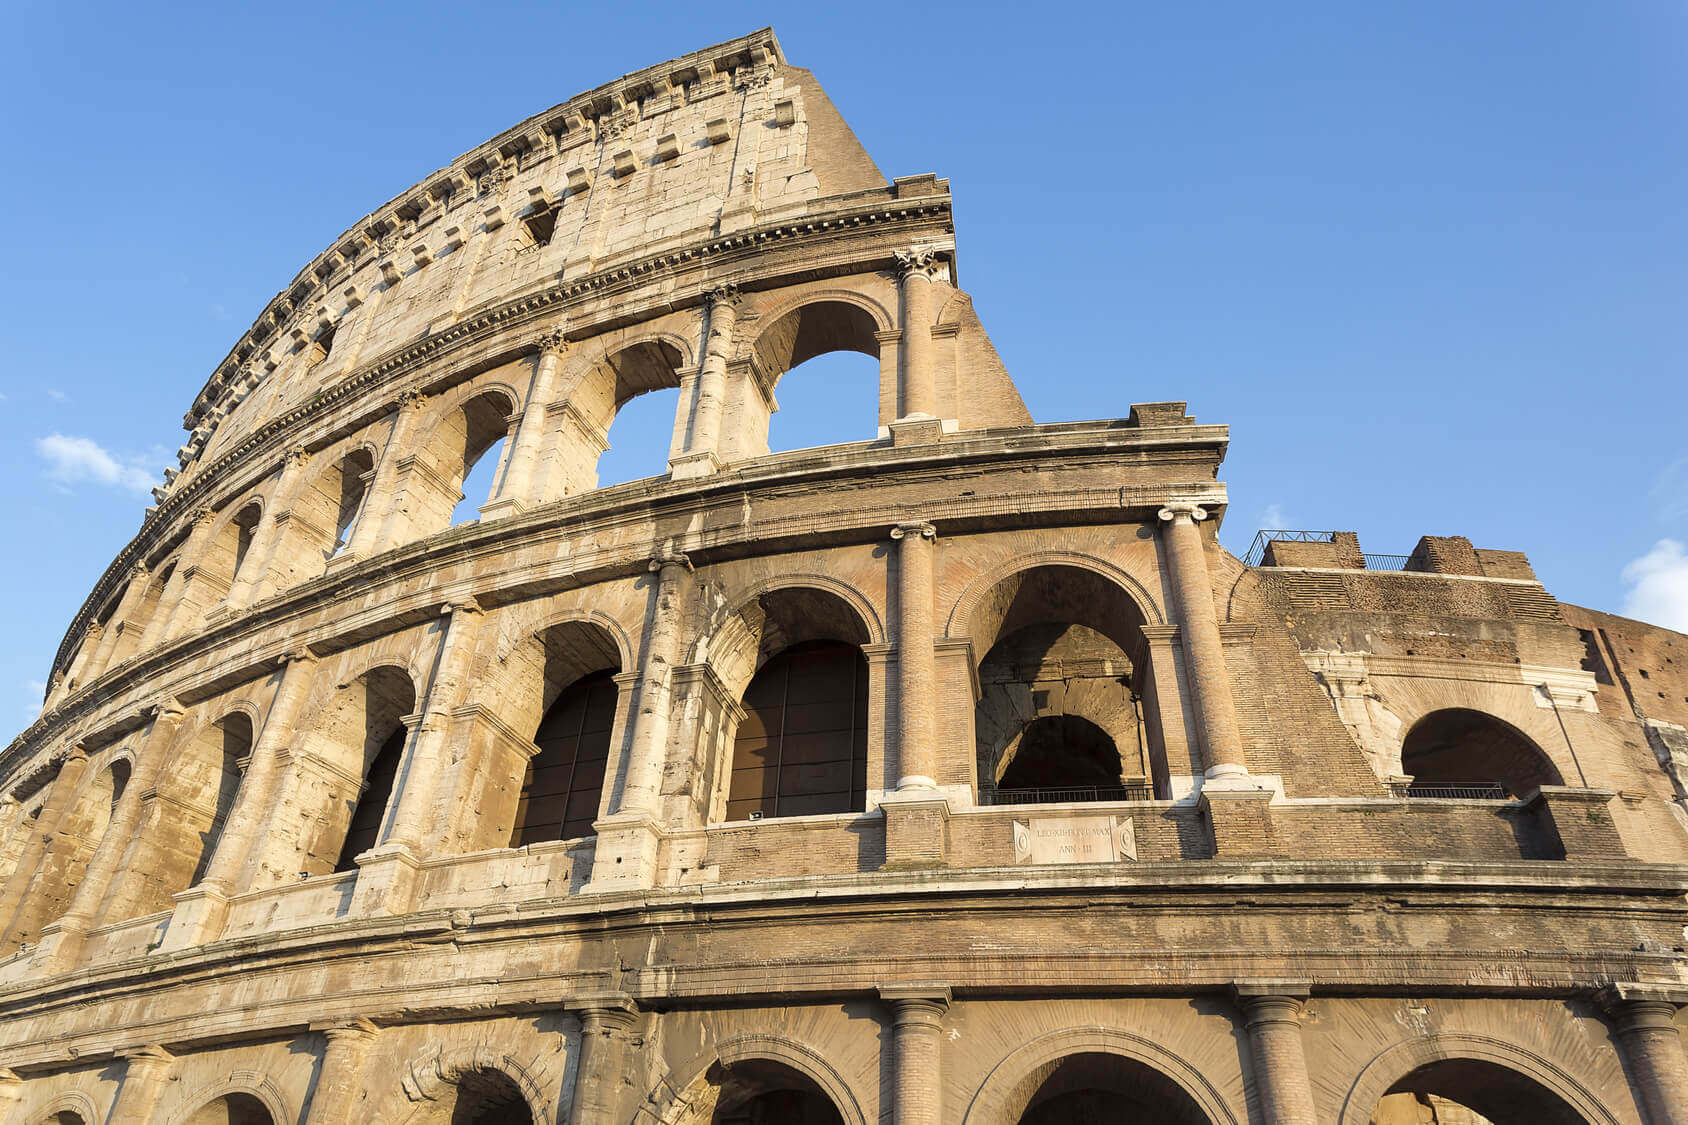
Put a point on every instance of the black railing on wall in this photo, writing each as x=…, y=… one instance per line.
x=1457, y=790
x=1071, y=794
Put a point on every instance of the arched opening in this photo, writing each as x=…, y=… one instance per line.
x=802, y=745
x=349, y=485
x=1471, y=1092
x=231, y=746
x=801, y=749
x=141, y=619
x=823, y=362
x=621, y=421
x=1096, y=1087
x=232, y=1109
x=360, y=732
x=762, y=1092
x=640, y=439
x=363, y=830
x=1463, y=753
x=479, y=1096
x=1059, y=714
x=245, y=526
x=564, y=783
x=1062, y=752
x=64, y=1117
x=471, y=451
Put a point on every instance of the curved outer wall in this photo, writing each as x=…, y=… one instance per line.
x=275, y=849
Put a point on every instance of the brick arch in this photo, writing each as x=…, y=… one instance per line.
x=884, y=318
x=527, y=631
x=1396, y=1062
x=731, y=646
x=71, y=1101
x=1003, y=1096
x=670, y=1100
x=430, y=1077
x=249, y=1082
x=961, y=613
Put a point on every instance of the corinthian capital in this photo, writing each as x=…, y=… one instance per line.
x=724, y=295
x=553, y=343
x=917, y=260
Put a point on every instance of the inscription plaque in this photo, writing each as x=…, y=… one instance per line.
x=1078, y=839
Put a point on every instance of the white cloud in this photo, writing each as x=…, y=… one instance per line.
x=1273, y=517
x=35, y=691
x=1658, y=583
x=73, y=459
x=56, y=395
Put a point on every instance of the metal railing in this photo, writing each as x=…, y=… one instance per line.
x=1071, y=794
x=1387, y=562
x=1456, y=791
x=1257, y=550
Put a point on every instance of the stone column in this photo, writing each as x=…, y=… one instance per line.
x=518, y=487
x=11, y=1089
x=601, y=1067
x=916, y=674
x=340, y=1082
x=386, y=880
x=702, y=455
x=1272, y=1013
x=59, y=800
x=625, y=855
x=144, y=1074
x=1644, y=1018
x=375, y=519
x=181, y=597
x=119, y=624
x=200, y=911
x=917, y=1011
x=1204, y=653
x=266, y=540
x=919, y=376
x=656, y=685
x=62, y=940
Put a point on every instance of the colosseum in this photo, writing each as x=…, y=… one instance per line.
x=951, y=776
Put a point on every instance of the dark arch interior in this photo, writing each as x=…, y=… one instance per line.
x=233, y=1109
x=761, y=1092
x=803, y=334
x=1461, y=747
x=1502, y=1095
x=565, y=778
x=235, y=735
x=365, y=827
x=1064, y=752
x=485, y=424
x=66, y=1117
x=488, y=1097
x=388, y=697
x=1095, y=1088
x=802, y=747
x=355, y=470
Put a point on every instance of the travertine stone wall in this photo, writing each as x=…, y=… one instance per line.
x=1275, y=923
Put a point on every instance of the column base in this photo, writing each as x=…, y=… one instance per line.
x=691, y=466
x=345, y=560
x=60, y=945
x=626, y=855
x=198, y=919
x=388, y=881
x=1240, y=821
x=502, y=508
x=916, y=829
x=917, y=429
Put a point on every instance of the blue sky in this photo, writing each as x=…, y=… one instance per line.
x=1427, y=260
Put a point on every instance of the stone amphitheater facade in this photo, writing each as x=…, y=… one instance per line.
x=956, y=775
